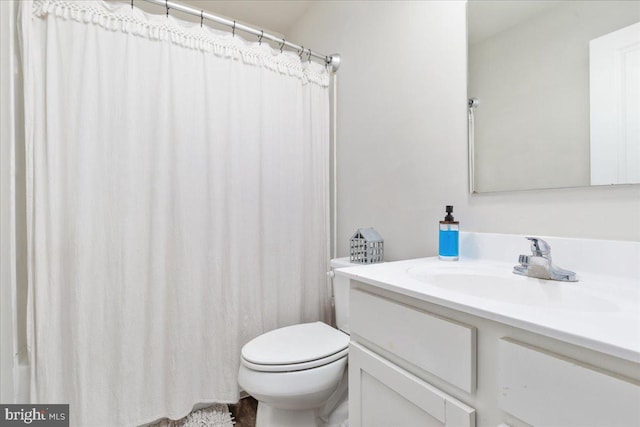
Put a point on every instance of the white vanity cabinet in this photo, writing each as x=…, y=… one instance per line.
x=382, y=393
x=417, y=363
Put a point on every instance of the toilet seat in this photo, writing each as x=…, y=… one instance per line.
x=295, y=348
x=296, y=366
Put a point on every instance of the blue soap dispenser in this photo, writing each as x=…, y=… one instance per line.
x=448, y=240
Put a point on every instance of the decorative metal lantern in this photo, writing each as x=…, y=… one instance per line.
x=367, y=246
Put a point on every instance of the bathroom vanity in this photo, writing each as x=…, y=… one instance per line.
x=436, y=343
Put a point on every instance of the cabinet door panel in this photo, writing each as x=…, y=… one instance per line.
x=385, y=407
x=383, y=394
x=544, y=389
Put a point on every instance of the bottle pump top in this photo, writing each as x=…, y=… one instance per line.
x=449, y=217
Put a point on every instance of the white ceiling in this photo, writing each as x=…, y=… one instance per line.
x=273, y=16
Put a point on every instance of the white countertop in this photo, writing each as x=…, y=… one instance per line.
x=602, y=312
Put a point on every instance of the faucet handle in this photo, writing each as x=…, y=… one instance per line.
x=539, y=247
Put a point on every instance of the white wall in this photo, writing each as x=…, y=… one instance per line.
x=403, y=141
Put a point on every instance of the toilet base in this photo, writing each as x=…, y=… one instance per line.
x=269, y=416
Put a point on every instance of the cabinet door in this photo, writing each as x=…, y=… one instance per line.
x=383, y=395
x=546, y=389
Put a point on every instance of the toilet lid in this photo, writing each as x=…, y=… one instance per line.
x=295, y=344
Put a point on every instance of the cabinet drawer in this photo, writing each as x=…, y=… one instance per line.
x=544, y=389
x=441, y=347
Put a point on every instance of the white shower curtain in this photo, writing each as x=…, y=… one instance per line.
x=177, y=206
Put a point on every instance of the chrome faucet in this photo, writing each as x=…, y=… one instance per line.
x=539, y=264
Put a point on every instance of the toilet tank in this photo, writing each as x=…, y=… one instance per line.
x=340, y=286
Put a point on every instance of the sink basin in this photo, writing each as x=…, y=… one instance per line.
x=501, y=286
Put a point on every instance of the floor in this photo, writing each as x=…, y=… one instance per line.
x=244, y=412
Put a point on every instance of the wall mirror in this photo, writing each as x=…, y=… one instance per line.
x=556, y=94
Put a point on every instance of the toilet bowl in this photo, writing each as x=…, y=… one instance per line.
x=298, y=374
x=294, y=382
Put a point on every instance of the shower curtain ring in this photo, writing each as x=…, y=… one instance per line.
x=282, y=45
x=131, y=4
x=166, y=4
x=233, y=30
x=300, y=52
x=260, y=39
x=309, y=55
x=201, y=18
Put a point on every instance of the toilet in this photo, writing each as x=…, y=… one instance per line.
x=298, y=374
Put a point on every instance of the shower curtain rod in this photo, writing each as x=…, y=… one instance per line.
x=332, y=60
